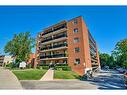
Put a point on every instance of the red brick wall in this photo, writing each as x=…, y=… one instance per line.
x=82, y=44
x=86, y=45
x=30, y=61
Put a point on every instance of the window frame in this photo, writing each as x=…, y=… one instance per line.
x=77, y=49
x=76, y=61
x=75, y=22
x=76, y=41
x=74, y=30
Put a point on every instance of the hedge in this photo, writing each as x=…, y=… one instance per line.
x=43, y=67
x=64, y=68
x=12, y=65
x=62, y=65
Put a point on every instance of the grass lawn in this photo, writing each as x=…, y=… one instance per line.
x=30, y=74
x=65, y=75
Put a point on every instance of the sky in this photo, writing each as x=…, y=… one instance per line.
x=107, y=24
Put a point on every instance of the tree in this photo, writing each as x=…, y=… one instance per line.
x=120, y=53
x=106, y=60
x=20, y=46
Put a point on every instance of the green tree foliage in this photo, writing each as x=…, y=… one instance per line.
x=20, y=46
x=120, y=53
x=106, y=60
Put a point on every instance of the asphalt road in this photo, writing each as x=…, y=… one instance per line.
x=109, y=80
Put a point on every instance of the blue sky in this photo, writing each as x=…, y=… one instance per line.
x=107, y=24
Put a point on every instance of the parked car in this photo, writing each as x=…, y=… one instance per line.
x=106, y=68
x=121, y=70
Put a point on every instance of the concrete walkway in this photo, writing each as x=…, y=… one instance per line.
x=8, y=80
x=48, y=75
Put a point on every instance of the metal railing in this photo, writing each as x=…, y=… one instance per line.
x=54, y=46
x=59, y=36
x=61, y=27
x=49, y=39
x=53, y=56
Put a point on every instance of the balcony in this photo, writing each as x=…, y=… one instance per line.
x=54, y=56
x=54, y=30
x=92, y=52
x=59, y=55
x=59, y=45
x=46, y=48
x=1, y=61
x=60, y=36
x=94, y=60
x=53, y=47
x=47, y=32
x=46, y=40
x=54, y=38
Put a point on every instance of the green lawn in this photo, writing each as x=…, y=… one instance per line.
x=30, y=74
x=65, y=75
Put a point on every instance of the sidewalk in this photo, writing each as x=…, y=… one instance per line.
x=8, y=80
x=48, y=75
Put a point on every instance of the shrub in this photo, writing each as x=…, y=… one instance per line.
x=83, y=78
x=9, y=65
x=64, y=68
x=39, y=67
x=28, y=66
x=42, y=64
x=12, y=65
x=45, y=67
x=15, y=65
x=62, y=65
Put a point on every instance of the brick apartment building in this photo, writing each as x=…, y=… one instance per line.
x=68, y=42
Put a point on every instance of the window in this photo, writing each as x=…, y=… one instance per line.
x=75, y=30
x=76, y=40
x=77, y=61
x=75, y=22
x=77, y=49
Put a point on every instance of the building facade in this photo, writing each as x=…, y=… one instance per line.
x=2, y=60
x=31, y=60
x=6, y=60
x=68, y=42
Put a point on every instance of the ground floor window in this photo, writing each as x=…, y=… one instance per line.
x=77, y=60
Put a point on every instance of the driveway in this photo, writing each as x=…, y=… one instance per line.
x=8, y=80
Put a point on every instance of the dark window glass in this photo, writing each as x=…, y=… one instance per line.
x=75, y=21
x=77, y=49
x=75, y=30
x=77, y=61
x=76, y=40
